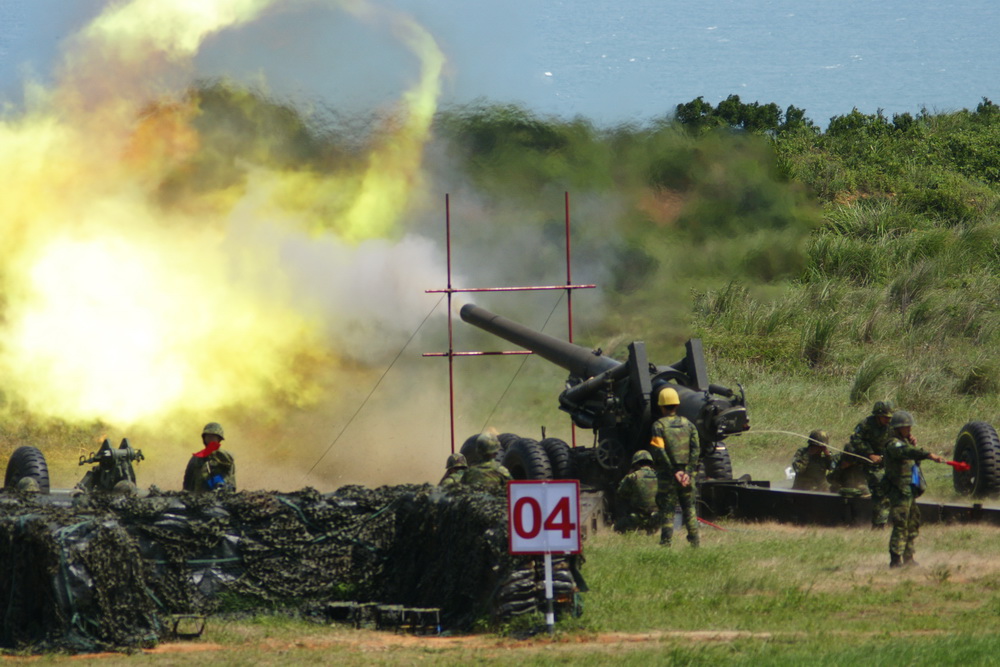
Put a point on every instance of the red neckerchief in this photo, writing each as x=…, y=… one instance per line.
x=210, y=449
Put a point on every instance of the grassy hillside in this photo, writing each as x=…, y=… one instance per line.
x=823, y=269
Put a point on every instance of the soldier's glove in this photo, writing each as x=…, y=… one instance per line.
x=216, y=482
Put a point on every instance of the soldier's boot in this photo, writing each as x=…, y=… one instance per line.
x=908, y=560
x=894, y=560
x=694, y=540
x=666, y=536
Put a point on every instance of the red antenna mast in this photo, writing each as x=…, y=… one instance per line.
x=450, y=290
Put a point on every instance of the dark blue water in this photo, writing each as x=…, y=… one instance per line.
x=619, y=60
x=609, y=60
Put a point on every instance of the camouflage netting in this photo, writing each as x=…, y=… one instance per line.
x=107, y=571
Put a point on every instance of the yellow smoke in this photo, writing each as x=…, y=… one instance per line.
x=120, y=308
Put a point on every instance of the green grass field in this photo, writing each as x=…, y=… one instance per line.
x=752, y=594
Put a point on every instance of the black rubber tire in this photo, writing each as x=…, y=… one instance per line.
x=525, y=459
x=716, y=464
x=27, y=461
x=559, y=456
x=978, y=445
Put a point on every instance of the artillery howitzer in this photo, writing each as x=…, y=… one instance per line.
x=111, y=467
x=614, y=400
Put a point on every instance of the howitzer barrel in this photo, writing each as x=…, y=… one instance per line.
x=579, y=361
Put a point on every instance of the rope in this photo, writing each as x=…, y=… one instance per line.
x=520, y=366
x=806, y=437
x=373, y=389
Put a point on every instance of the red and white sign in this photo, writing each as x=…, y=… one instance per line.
x=543, y=516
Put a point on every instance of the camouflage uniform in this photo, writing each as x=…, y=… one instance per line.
x=486, y=473
x=637, y=497
x=456, y=467
x=211, y=469
x=213, y=472
x=871, y=437
x=675, y=447
x=489, y=476
x=904, y=484
x=811, y=470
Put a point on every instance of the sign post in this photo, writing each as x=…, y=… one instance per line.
x=544, y=518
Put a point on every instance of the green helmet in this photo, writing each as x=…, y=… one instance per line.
x=487, y=446
x=125, y=488
x=642, y=456
x=819, y=437
x=901, y=419
x=456, y=460
x=28, y=485
x=883, y=408
x=214, y=428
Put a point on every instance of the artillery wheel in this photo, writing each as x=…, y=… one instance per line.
x=559, y=456
x=716, y=464
x=610, y=455
x=506, y=440
x=525, y=459
x=979, y=446
x=27, y=461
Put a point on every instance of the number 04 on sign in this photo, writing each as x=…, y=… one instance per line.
x=544, y=516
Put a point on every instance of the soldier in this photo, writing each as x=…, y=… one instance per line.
x=675, y=452
x=904, y=484
x=637, y=496
x=812, y=463
x=456, y=467
x=869, y=439
x=212, y=468
x=486, y=473
x=28, y=485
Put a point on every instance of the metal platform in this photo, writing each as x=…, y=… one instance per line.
x=757, y=501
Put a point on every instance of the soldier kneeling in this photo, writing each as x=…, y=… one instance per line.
x=637, y=497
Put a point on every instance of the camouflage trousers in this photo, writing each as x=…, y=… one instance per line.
x=880, y=501
x=635, y=521
x=905, y=517
x=667, y=500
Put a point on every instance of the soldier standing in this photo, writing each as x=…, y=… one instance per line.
x=212, y=468
x=637, y=496
x=485, y=472
x=812, y=463
x=675, y=452
x=904, y=484
x=869, y=439
x=456, y=467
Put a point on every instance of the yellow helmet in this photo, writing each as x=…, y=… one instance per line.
x=668, y=396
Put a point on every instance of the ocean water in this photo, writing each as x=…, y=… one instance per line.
x=615, y=61
x=612, y=61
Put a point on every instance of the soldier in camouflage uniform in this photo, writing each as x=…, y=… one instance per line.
x=637, y=496
x=859, y=469
x=812, y=463
x=869, y=439
x=211, y=469
x=904, y=484
x=456, y=467
x=486, y=473
x=675, y=451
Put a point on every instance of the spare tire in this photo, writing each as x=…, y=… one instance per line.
x=559, y=456
x=978, y=445
x=716, y=464
x=525, y=459
x=27, y=461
